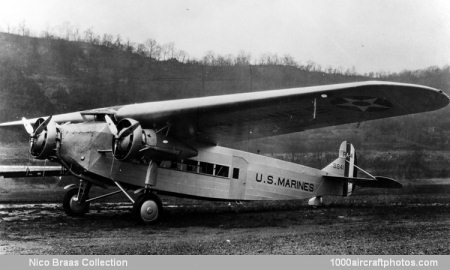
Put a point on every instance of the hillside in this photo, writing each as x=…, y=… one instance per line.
x=41, y=76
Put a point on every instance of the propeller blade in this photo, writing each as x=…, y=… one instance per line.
x=43, y=125
x=112, y=127
x=127, y=131
x=27, y=125
x=145, y=148
x=161, y=149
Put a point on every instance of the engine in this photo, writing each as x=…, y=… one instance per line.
x=128, y=142
x=43, y=140
x=132, y=141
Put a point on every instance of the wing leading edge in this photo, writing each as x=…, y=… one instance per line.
x=228, y=118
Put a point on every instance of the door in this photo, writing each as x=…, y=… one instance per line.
x=238, y=178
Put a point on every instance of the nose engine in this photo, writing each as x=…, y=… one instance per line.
x=44, y=136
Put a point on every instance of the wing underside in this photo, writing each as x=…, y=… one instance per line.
x=236, y=117
x=230, y=118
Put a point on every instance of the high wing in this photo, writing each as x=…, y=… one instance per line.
x=228, y=118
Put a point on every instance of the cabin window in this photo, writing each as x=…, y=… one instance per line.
x=221, y=171
x=166, y=164
x=175, y=165
x=191, y=165
x=236, y=173
x=206, y=167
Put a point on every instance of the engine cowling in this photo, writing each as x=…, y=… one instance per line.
x=132, y=141
x=127, y=146
x=43, y=145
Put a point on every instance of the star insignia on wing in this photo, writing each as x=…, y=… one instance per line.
x=363, y=104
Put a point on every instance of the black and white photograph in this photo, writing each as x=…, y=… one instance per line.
x=209, y=127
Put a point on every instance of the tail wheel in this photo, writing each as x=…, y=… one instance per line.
x=72, y=206
x=147, y=209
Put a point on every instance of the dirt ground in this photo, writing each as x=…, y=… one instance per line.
x=368, y=224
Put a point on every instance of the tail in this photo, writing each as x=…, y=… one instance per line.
x=344, y=166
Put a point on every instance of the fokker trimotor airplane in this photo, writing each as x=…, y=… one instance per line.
x=175, y=147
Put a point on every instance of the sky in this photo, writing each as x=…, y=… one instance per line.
x=370, y=35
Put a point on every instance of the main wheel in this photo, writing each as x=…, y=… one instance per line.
x=147, y=209
x=72, y=206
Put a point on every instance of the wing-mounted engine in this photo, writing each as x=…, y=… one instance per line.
x=44, y=135
x=131, y=141
x=128, y=139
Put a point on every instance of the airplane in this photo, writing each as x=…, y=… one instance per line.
x=178, y=147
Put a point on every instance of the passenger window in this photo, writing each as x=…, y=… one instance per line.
x=236, y=173
x=222, y=170
x=165, y=164
x=206, y=167
x=175, y=165
x=191, y=165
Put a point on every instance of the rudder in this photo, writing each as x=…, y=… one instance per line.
x=344, y=165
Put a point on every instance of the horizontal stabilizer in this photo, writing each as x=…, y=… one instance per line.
x=31, y=171
x=378, y=182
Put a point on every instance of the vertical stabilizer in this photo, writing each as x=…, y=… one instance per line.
x=344, y=165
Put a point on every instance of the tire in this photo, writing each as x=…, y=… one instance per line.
x=72, y=207
x=147, y=209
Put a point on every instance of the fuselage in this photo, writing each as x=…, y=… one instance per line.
x=215, y=173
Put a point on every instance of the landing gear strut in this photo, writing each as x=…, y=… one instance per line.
x=147, y=209
x=74, y=202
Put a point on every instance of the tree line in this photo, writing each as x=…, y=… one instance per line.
x=155, y=51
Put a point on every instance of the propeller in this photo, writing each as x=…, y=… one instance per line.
x=112, y=127
x=127, y=131
x=120, y=131
x=31, y=131
x=42, y=126
x=124, y=132
x=43, y=135
x=28, y=126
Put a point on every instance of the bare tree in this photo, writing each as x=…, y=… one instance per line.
x=221, y=60
x=288, y=60
x=66, y=31
x=118, y=42
x=269, y=59
x=182, y=56
x=171, y=51
x=142, y=50
x=165, y=52
x=153, y=48
x=129, y=46
x=209, y=58
x=23, y=29
x=243, y=58
x=310, y=65
x=88, y=35
x=107, y=40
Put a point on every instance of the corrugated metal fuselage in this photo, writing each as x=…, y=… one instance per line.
x=215, y=173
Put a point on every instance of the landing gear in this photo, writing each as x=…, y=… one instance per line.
x=316, y=201
x=147, y=209
x=74, y=202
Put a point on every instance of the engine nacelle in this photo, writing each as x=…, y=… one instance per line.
x=43, y=145
x=166, y=148
x=127, y=147
x=145, y=142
